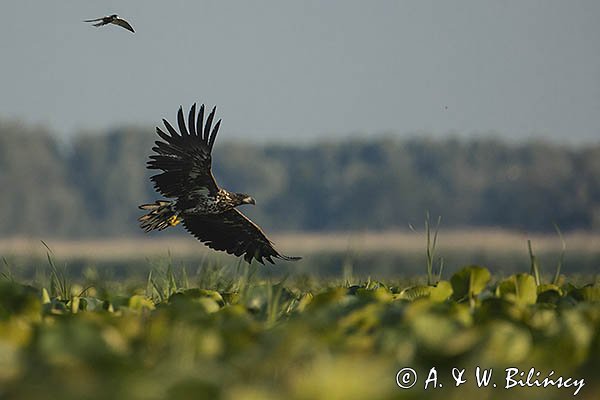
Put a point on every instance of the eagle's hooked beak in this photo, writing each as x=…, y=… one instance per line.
x=248, y=200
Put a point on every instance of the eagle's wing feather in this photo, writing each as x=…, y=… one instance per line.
x=191, y=120
x=184, y=158
x=233, y=233
x=123, y=23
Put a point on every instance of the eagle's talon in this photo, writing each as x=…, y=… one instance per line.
x=174, y=220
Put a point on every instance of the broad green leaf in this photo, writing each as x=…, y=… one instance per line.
x=504, y=343
x=438, y=293
x=415, y=292
x=209, y=305
x=380, y=294
x=17, y=299
x=586, y=293
x=495, y=308
x=363, y=318
x=441, y=291
x=441, y=335
x=549, y=287
x=138, y=302
x=549, y=293
x=330, y=296
x=576, y=336
x=469, y=281
x=520, y=289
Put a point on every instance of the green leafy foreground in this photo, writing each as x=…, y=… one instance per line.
x=251, y=338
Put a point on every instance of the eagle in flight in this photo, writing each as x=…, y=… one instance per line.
x=207, y=211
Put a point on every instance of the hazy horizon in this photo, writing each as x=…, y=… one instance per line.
x=307, y=70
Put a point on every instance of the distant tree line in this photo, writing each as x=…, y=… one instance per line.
x=92, y=185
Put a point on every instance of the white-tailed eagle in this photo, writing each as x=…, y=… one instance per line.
x=207, y=211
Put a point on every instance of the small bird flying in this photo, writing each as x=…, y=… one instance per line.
x=112, y=19
x=207, y=211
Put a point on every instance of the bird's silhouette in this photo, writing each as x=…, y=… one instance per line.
x=111, y=19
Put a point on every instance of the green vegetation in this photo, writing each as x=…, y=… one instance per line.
x=92, y=185
x=232, y=333
x=154, y=330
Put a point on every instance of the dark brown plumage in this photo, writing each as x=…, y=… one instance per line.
x=206, y=210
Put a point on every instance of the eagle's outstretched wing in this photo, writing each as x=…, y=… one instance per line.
x=233, y=233
x=185, y=156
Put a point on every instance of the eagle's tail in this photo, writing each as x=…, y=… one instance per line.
x=162, y=215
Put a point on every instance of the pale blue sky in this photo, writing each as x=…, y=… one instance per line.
x=296, y=69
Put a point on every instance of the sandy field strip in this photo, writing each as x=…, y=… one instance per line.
x=305, y=244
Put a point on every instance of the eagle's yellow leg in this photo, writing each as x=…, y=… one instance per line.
x=174, y=220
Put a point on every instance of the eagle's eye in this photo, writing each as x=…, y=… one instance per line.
x=248, y=200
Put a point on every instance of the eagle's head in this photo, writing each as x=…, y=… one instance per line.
x=243, y=198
